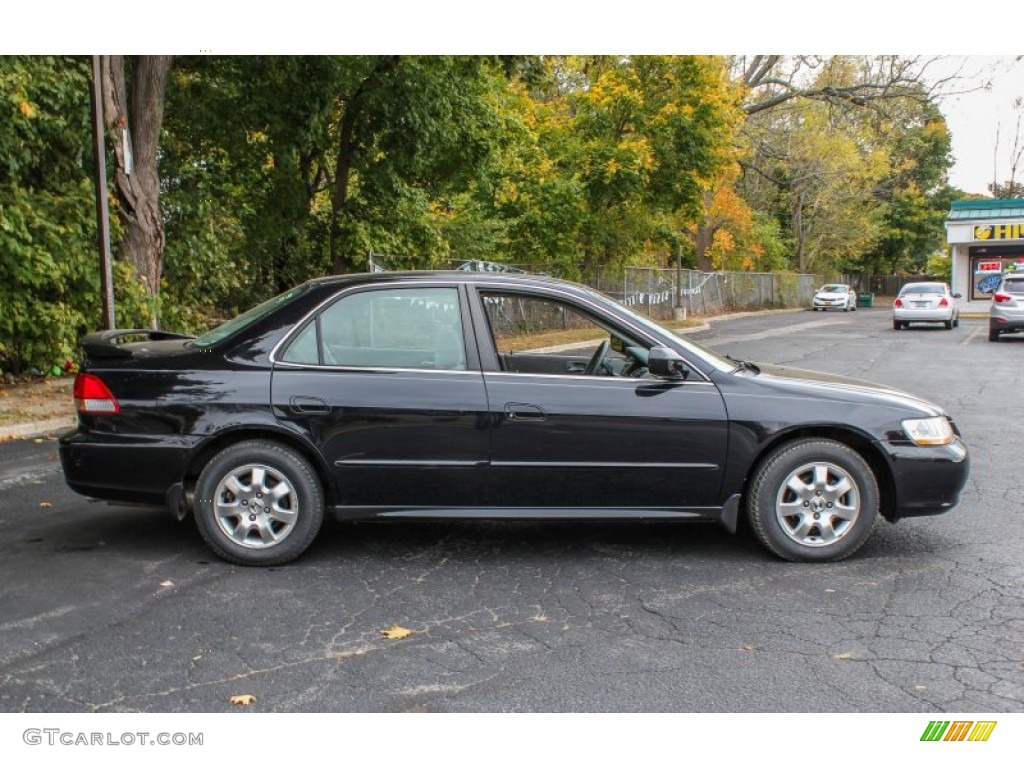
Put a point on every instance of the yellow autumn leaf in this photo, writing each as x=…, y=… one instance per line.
x=395, y=633
x=45, y=505
x=27, y=109
x=244, y=700
x=843, y=656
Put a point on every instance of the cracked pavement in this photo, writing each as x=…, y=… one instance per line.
x=529, y=616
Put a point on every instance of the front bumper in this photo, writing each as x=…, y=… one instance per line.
x=831, y=304
x=928, y=480
x=119, y=468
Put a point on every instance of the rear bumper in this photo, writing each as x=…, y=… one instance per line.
x=119, y=468
x=1006, y=324
x=928, y=479
x=922, y=315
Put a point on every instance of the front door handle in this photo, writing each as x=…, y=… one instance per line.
x=306, y=405
x=524, y=412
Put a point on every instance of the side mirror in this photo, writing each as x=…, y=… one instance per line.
x=666, y=364
x=957, y=295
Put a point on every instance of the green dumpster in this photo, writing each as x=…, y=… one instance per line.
x=865, y=299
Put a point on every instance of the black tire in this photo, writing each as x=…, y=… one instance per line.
x=282, y=499
x=897, y=325
x=956, y=321
x=846, y=510
x=993, y=334
x=949, y=325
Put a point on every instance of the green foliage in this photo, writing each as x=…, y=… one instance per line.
x=48, y=281
x=939, y=266
x=278, y=169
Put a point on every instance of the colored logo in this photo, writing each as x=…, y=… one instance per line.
x=989, y=284
x=958, y=730
x=982, y=233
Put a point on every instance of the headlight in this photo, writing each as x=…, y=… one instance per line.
x=933, y=431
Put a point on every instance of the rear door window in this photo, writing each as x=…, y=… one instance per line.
x=391, y=328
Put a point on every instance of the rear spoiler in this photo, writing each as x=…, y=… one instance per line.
x=105, y=343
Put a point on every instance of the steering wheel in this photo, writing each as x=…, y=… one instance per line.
x=598, y=359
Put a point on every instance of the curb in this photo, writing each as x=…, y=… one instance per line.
x=34, y=428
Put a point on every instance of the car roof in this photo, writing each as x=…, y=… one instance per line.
x=460, y=276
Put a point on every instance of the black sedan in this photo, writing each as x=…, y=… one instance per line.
x=461, y=395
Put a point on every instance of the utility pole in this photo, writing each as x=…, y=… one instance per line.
x=102, y=209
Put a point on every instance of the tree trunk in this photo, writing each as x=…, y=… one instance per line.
x=135, y=129
x=341, y=257
x=341, y=261
x=703, y=238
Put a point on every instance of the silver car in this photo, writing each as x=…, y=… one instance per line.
x=1006, y=315
x=925, y=303
x=835, y=296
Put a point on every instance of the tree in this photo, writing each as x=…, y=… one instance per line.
x=880, y=138
x=134, y=125
x=49, y=276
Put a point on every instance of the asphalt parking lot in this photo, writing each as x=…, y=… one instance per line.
x=116, y=609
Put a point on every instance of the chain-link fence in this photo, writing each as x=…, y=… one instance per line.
x=668, y=293
x=664, y=293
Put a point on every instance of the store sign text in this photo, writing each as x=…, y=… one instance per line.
x=1000, y=232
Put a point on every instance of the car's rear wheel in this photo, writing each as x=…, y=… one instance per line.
x=897, y=325
x=813, y=500
x=258, y=503
x=949, y=325
x=993, y=334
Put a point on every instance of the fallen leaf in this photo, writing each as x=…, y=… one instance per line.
x=244, y=700
x=167, y=583
x=843, y=656
x=38, y=440
x=830, y=590
x=396, y=633
x=921, y=687
x=746, y=647
x=45, y=505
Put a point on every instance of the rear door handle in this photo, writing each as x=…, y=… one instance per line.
x=524, y=412
x=307, y=405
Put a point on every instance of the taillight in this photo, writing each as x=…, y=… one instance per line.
x=898, y=303
x=93, y=397
x=943, y=302
x=1001, y=298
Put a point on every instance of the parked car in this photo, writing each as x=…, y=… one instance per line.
x=1006, y=313
x=925, y=303
x=835, y=296
x=475, y=395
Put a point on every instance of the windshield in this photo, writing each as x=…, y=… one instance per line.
x=244, y=320
x=923, y=288
x=833, y=289
x=1014, y=284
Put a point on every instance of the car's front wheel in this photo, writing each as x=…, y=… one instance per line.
x=258, y=503
x=813, y=500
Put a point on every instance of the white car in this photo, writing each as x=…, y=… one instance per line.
x=925, y=303
x=835, y=296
